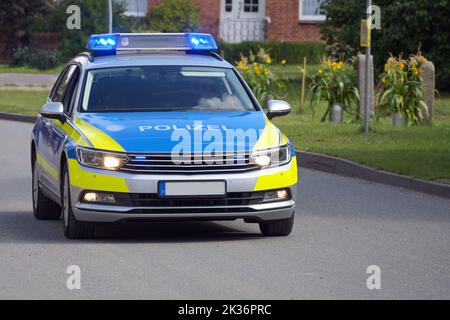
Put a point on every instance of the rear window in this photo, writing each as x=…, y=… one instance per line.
x=164, y=88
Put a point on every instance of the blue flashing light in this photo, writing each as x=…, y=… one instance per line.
x=103, y=42
x=201, y=41
x=112, y=43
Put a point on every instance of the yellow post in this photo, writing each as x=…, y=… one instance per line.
x=302, y=96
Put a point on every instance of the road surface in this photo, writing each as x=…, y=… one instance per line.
x=27, y=80
x=342, y=226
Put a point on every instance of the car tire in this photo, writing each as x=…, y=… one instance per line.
x=279, y=228
x=43, y=207
x=73, y=229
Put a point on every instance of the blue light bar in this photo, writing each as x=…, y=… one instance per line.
x=201, y=41
x=103, y=42
x=112, y=43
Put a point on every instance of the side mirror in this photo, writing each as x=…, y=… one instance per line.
x=277, y=108
x=53, y=110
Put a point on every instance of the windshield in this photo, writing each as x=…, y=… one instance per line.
x=164, y=88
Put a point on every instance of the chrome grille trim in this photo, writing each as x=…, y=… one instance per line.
x=194, y=163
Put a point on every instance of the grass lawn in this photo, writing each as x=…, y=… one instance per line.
x=4, y=68
x=423, y=152
x=24, y=102
x=292, y=72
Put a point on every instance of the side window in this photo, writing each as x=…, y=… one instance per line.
x=69, y=97
x=60, y=90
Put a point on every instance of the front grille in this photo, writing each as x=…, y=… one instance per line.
x=189, y=164
x=152, y=200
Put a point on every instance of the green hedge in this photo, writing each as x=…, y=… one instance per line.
x=293, y=53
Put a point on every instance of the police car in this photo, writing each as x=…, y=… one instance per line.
x=158, y=127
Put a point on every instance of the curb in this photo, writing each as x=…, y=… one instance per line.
x=352, y=169
x=17, y=117
x=333, y=165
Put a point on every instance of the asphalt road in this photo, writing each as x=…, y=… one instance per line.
x=27, y=80
x=342, y=226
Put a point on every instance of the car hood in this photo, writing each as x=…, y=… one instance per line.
x=164, y=131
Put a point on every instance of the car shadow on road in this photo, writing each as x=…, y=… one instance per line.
x=22, y=227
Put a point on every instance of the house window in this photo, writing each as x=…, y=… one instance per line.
x=228, y=5
x=310, y=11
x=251, y=5
x=135, y=8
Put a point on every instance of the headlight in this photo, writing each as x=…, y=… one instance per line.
x=271, y=157
x=100, y=159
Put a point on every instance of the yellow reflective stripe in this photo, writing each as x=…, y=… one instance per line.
x=277, y=180
x=47, y=166
x=270, y=137
x=284, y=139
x=92, y=181
x=72, y=133
x=98, y=138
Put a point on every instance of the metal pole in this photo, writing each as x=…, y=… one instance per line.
x=367, y=84
x=110, y=16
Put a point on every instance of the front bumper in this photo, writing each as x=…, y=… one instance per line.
x=87, y=179
x=102, y=213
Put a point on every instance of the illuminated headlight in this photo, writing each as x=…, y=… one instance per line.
x=100, y=197
x=100, y=159
x=271, y=157
x=276, y=195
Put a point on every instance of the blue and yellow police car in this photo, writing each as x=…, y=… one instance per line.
x=158, y=127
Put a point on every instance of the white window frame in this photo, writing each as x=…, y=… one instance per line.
x=139, y=14
x=309, y=18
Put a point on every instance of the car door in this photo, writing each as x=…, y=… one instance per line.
x=44, y=129
x=59, y=135
x=52, y=141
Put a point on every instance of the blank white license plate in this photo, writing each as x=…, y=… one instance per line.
x=191, y=188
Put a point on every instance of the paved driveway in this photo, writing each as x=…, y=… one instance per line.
x=342, y=226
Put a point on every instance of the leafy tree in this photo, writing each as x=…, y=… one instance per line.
x=15, y=18
x=407, y=26
x=174, y=16
x=94, y=19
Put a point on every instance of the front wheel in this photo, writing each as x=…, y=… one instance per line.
x=43, y=207
x=73, y=229
x=278, y=228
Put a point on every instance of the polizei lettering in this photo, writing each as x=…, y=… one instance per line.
x=189, y=127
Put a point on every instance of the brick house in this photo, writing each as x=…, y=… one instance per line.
x=253, y=20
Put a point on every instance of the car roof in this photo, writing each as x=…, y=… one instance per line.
x=153, y=59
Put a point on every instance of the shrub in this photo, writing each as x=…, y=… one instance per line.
x=43, y=59
x=258, y=76
x=406, y=26
x=174, y=16
x=40, y=59
x=20, y=57
x=291, y=53
x=402, y=89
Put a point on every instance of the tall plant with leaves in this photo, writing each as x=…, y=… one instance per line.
x=402, y=88
x=263, y=82
x=334, y=84
x=406, y=25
